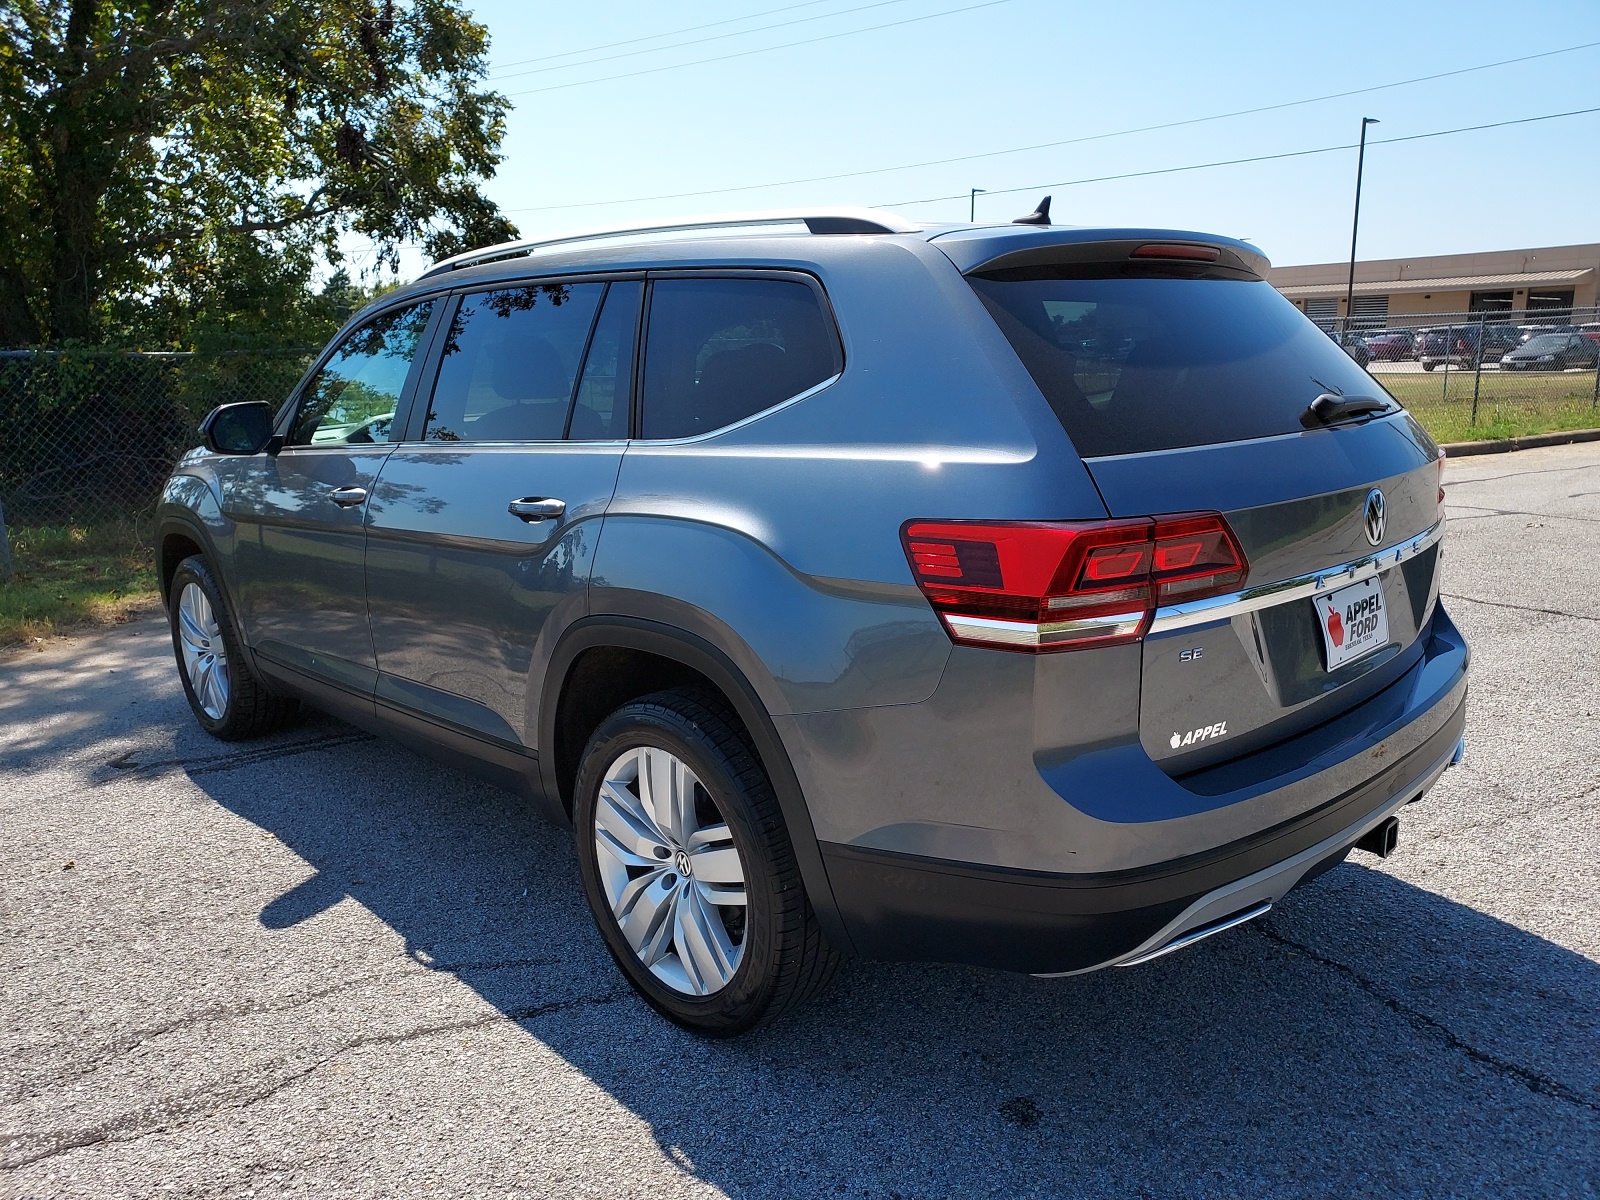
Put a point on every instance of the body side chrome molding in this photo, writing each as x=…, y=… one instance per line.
x=1253, y=599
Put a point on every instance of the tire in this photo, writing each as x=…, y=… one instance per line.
x=690, y=950
x=1428, y=366
x=226, y=696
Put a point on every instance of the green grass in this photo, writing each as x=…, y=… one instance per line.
x=1509, y=405
x=68, y=576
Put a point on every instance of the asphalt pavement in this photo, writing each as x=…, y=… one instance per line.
x=320, y=965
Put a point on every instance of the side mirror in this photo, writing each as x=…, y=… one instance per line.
x=243, y=428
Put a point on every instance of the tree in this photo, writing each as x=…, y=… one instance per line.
x=156, y=152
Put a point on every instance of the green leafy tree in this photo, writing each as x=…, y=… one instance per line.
x=172, y=162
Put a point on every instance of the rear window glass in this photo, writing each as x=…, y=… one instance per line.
x=1132, y=365
x=720, y=350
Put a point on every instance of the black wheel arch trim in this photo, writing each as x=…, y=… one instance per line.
x=695, y=652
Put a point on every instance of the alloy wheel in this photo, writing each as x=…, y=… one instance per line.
x=205, y=658
x=670, y=871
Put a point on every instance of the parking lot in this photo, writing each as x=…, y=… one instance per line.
x=321, y=966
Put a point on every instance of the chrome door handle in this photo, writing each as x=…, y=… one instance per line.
x=348, y=497
x=536, y=508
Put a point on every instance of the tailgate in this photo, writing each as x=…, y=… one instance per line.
x=1228, y=675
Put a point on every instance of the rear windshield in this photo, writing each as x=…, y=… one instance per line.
x=1132, y=365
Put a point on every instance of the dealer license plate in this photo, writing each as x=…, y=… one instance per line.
x=1354, y=621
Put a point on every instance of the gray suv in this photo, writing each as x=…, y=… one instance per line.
x=1044, y=599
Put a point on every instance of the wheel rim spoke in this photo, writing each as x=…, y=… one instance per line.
x=646, y=916
x=676, y=887
x=621, y=819
x=708, y=954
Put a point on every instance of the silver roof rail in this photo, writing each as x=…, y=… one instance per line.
x=816, y=220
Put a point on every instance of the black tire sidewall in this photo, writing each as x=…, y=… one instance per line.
x=739, y=1005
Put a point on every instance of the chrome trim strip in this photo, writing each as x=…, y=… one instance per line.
x=1048, y=633
x=1253, y=599
x=1198, y=935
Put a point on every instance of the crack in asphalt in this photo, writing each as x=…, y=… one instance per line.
x=1534, y=1081
x=1482, y=510
x=1549, y=612
x=1520, y=474
x=209, y=764
x=209, y=1101
x=137, y=1039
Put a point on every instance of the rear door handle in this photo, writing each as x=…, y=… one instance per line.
x=348, y=497
x=536, y=508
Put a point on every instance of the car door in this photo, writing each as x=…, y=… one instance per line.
x=299, y=513
x=484, y=522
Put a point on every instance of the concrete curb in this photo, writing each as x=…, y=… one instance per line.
x=1532, y=442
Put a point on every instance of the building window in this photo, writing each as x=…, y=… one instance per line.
x=1556, y=305
x=1491, y=302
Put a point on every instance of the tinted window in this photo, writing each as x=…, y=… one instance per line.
x=352, y=398
x=509, y=361
x=1132, y=365
x=719, y=350
x=602, y=408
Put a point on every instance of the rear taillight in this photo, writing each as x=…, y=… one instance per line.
x=1440, y=461
x=1065, y=585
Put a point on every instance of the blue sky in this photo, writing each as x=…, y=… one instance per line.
x=1017, y=73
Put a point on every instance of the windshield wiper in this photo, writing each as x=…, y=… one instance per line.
x=1330, y=408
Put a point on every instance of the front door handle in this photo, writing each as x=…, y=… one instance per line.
x=536, y=508
x=348, y=497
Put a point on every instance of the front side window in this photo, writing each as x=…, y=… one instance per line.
x=352, y=397
x=509, y=363
x=720, y=350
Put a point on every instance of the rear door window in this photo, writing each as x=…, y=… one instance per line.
x=601, y=413
x=1131, y=365
x=509, y=363
x=721, y=349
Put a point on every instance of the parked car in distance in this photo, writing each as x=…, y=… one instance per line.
x=1035, y=598
x=1590, y=330
x=1465, y=346
x=1553, y=352
x=1352, y=344
x=1391, y=345
x=1526, y=333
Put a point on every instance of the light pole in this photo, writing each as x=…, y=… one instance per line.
x=1355, y=226
x=972, y=209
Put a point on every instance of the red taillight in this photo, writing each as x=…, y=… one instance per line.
x=1063, y=585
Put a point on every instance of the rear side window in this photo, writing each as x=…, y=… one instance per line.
x=1138, y=364
x=510, y=362
x=720, y=350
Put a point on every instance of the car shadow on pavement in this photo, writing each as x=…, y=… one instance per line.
x=1368, y=1037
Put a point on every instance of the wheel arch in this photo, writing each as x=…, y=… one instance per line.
x=603, y=662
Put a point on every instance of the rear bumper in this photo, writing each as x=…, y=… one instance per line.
x=903, y=906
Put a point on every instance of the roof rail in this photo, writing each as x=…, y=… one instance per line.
x=816, y=220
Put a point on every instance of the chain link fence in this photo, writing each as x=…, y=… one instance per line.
x=90, y=435
x=1470, y=375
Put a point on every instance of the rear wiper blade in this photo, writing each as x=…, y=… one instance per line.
x=1331, y=408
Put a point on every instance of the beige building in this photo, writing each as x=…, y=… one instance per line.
x=1549, y=280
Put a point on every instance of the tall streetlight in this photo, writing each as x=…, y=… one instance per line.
x=1355, y=226
x=972, y=209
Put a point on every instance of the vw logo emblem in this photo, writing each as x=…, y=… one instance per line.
x=681, y=861
x=1375, y=517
